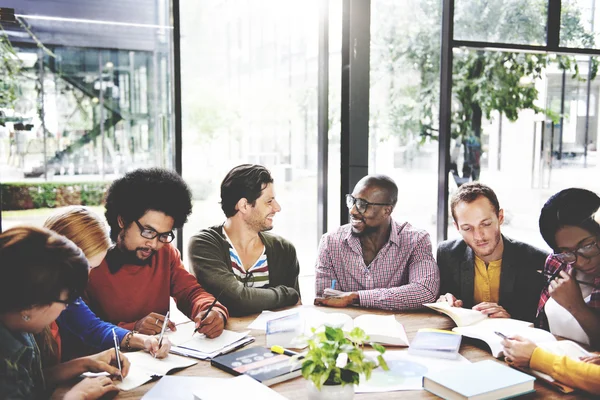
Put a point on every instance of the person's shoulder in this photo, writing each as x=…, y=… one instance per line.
x=451, y=245
x=406, y=230
x=524, y=248
x=213, y=232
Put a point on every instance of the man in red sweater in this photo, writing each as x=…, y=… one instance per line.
x=133, y=284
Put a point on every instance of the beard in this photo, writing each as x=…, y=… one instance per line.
x=130, y=256
x=487, y=252
x=368, y=230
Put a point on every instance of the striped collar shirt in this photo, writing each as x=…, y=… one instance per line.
x=257, y=275
x=403, y=275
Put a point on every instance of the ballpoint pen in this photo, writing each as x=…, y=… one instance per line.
x=162, y=331
x=208, y=310
x=502, y=335
x=117, y=353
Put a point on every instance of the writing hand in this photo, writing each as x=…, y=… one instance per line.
x=518, y=350
x=152, y=324
x=212, y=326
x=151, y=346
x=91, y=388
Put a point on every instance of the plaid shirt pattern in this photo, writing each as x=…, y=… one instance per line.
x=403, y=275
x=552, y=265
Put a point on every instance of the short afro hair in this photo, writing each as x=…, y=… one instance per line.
x=142, y=190
x=569, y=207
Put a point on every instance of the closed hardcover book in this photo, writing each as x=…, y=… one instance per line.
x=487, y=379
x=259, y=363
x=435, y=343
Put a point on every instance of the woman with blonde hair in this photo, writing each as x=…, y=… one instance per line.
x=42, y=273
x=78, y=330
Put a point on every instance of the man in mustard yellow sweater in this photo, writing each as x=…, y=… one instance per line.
x=486, y=270
x=583, y=374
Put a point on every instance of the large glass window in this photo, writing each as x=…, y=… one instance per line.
x=404, y=98
x=92, y=100
x=249, y=95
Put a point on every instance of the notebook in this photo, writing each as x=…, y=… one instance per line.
x=260, y=364
x=185, y=342
x=384, y=329
x=474, y=324
x=240, y=387
x=487, y=379
x=144, y=367
x=435, y=343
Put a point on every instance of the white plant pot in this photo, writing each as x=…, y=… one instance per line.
x=329, y=392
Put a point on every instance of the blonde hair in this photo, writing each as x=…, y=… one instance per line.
x=82, y=226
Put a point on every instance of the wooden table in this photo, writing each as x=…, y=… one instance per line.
x=295, y=388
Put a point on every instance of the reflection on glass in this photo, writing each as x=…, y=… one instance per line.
x=249, y=95
x=503, y=21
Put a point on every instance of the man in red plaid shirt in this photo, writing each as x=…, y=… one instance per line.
x=374, y=261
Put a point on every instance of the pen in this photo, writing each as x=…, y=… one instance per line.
x=552, y=276
x=333, y=282
x=162, y=331
x=281, y=350
x=117, y=353
x=208, y=310
x=502, y=335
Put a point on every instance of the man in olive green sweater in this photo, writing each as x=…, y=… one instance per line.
x=248, y=269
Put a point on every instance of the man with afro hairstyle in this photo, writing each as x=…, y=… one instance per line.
x=132, y=286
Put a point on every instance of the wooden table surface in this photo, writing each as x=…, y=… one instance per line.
x=295, y=388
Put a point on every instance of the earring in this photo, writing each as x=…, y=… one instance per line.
x=25, y=317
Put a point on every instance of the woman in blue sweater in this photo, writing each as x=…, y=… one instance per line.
x=78, y=330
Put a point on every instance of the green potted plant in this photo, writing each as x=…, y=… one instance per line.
x=335, y=361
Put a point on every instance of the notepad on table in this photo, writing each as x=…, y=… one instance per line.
x=476, y=325
x=185, y=342
x=435, y=343
x=240, y=387
x=144, y=367
x=487, y=379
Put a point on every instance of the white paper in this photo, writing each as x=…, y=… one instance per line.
x=180, y=387
x=206, y=345
x=240, y=387
x=406, y=371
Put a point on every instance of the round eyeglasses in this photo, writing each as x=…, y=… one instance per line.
x=587, y=250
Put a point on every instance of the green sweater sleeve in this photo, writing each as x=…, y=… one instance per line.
x=578, y=374
x=209, y=258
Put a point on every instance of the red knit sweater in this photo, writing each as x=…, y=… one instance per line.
x=135, y=291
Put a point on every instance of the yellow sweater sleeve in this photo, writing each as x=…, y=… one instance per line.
x=578, y=374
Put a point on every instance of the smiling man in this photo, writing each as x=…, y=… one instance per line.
x=374, y=261
x=249, y=269
x=485, y=270
x=133, y=284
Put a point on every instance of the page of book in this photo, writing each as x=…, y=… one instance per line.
x=485, y=331
x=205, y=345
x=383, y=329
x=460, y=316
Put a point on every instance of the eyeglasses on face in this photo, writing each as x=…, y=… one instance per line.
x=361, y=204
x=149, y=233
x=587, y=250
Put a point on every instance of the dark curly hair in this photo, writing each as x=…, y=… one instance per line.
x=142, y=190
x=37, y=265
x=245, y=181
x=569, y=207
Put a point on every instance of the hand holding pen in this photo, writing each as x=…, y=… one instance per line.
x=162, y=331
x=210, y=323
x=117, y=353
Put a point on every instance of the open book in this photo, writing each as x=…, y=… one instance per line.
x=382, y=329
x=474, y=324
x=144, y=367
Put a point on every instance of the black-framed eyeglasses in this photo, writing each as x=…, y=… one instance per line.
x=149, y=233
x=247, y=280
x=361, y=204
x=587, y=250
